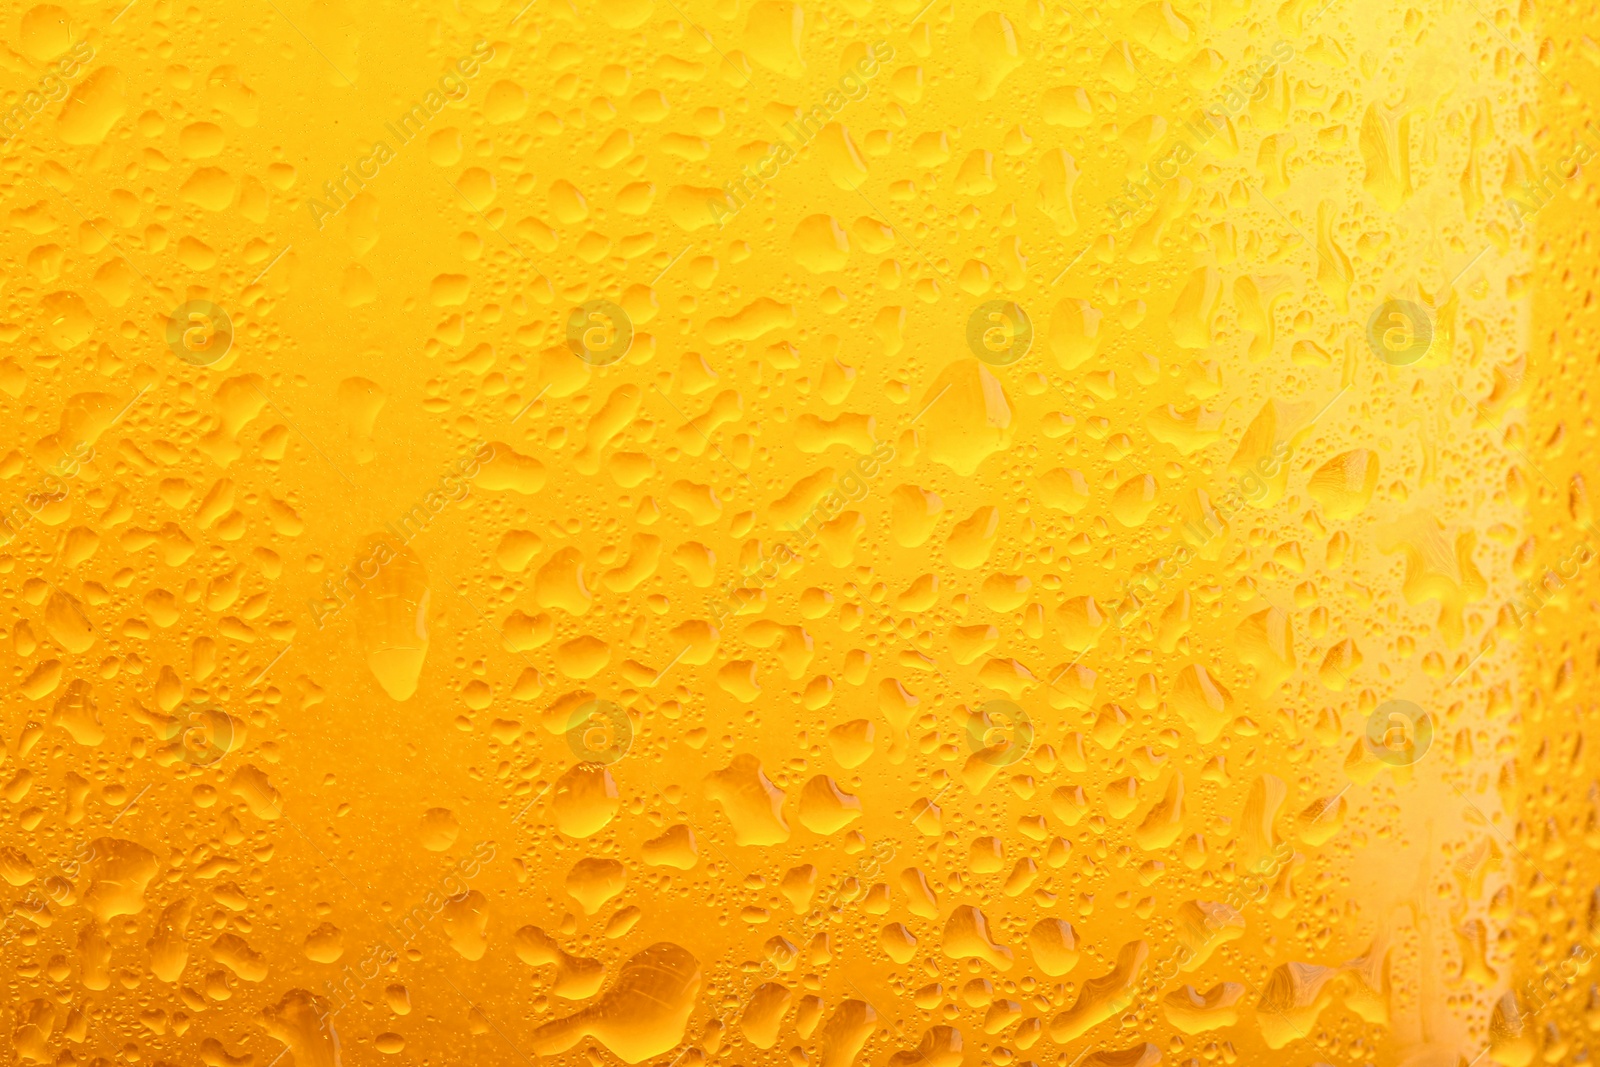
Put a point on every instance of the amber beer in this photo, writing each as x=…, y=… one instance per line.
x=782, y=534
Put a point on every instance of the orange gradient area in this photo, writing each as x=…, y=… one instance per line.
x=772, y=534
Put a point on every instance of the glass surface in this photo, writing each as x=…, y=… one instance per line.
x=854, y=533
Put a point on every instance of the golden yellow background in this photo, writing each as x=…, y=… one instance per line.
x=395, y=677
